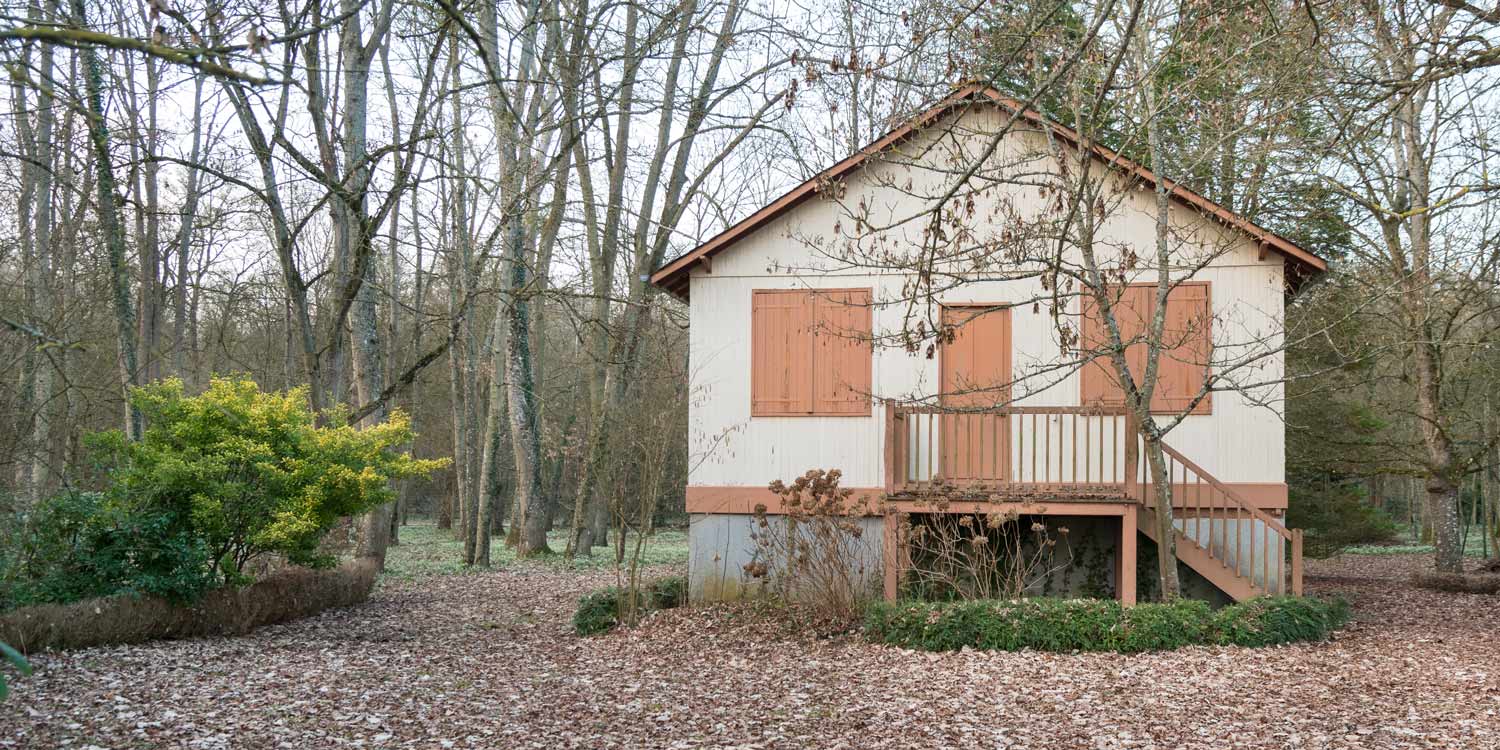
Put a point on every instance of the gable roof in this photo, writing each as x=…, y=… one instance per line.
x=673, y=276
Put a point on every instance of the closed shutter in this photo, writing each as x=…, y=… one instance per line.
x=1187, y=344
x=841, y=364
x=1101, y=385
x=1186, y=347
x=810, y=352
x=780, y=353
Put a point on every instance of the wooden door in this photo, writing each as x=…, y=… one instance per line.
x=975, y=367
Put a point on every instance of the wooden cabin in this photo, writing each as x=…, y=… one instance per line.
x=794, y=367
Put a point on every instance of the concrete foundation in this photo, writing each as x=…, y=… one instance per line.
x=1083, y=563
x=721, y=545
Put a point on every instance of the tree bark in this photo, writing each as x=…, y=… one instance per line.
x=110, y=224
x=181, y=343
x=33, y=478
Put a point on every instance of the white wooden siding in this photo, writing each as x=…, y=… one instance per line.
x=1241, y=441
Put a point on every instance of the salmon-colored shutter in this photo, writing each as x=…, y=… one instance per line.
x=1187, y=345
x=841, y=364
x=810, y=352
x=781, y=353
x=1186, y=339
x=1132, y=313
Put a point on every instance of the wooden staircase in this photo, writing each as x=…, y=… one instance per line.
x=1088, y=454
x=1236, y=546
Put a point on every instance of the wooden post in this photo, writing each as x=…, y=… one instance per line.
x=1132, y=454
x=1125, y=581
x=1296, y=562
x=890, y=447
x=890, y=554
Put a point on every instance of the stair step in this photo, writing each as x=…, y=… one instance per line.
x=1227, y=579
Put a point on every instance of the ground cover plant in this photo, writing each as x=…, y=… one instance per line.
x=426, y=550
x=1064, y=625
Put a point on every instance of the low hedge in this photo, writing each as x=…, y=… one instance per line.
x=1460, y=583
x=1274, y=620
x=1100, y=625
x=285, y=595
x=599, y=611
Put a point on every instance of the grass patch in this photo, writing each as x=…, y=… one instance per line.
x=1408, y=543
x=425, y=550
x=1064, y=625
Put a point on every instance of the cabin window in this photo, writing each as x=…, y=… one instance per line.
x=1187, y=341
x=810, y=352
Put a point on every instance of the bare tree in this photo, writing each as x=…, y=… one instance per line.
x=1409, y=148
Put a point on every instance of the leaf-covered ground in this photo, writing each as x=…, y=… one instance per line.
x=487, y=661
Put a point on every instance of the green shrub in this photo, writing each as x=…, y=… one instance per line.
x=1039, y=623
x=1273, y=620
x=599, y=611
x=77, y=545
x=1062, y=625
x=250, y=472
x=216, y=481
x=1336, y=517
x=1165, y=626
x=666, y=593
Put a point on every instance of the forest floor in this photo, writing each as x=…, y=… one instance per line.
x=488, y=660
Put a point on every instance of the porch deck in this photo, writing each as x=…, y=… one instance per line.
x=1075, y=461
x=1057, y=452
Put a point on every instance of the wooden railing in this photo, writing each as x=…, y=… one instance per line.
x=1083, y=453
x=1210, y=514
x=1010, y=450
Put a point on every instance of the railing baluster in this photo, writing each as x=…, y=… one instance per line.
x=897, y=470
x=997, y=424
x=1007, y=470
x=973, y=439
x=966, y=423
x=932, y=441
x=1198, y=499
x=1020, y=451
x=1239, y=549
x=976, y=431
x=1034, y=478
x=1073, y=446
x=1088, y=454
x=1224, y=533
x=1280, y=566
x=1047, y=455
x=1265, y=556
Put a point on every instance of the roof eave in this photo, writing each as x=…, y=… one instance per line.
x=674, y=277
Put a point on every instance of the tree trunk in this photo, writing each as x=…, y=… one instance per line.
x=1166, y=528
x=180, y=343
x=495, y=423
x=110, y=224
x=353, y=221
x=521, y=397
x=33, y=474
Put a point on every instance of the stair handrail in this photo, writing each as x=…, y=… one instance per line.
x=1292, y=536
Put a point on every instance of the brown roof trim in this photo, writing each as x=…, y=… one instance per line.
x=673, y=277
